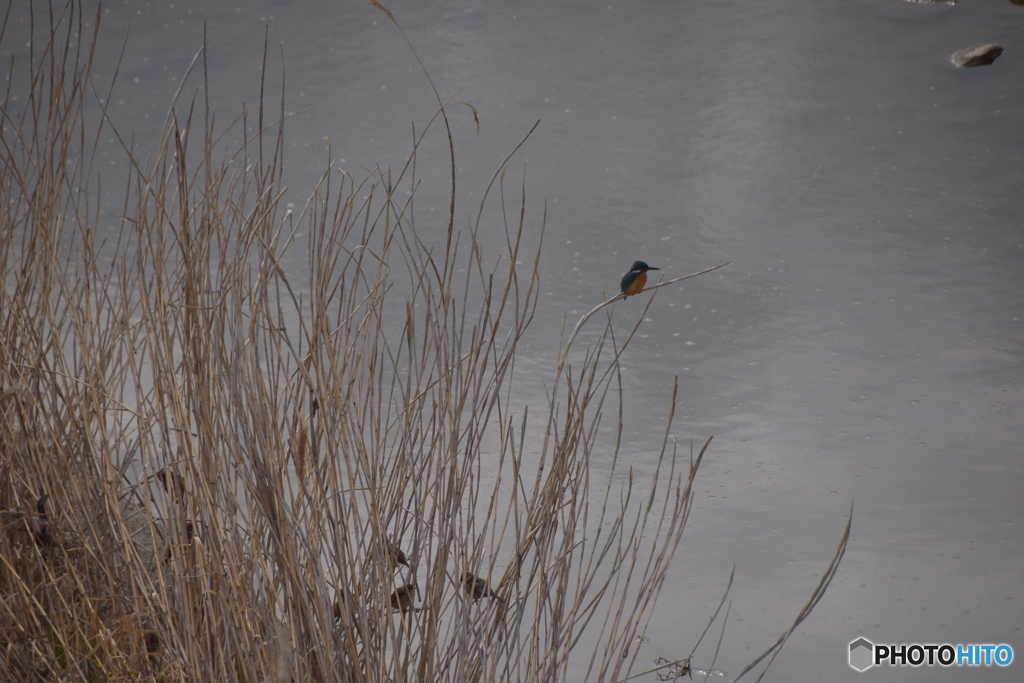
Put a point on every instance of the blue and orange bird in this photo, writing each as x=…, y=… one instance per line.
x=634, y=281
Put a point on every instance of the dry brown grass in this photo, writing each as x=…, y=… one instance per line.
x=254, y=478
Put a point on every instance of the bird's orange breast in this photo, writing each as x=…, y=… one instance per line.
x=637, y=285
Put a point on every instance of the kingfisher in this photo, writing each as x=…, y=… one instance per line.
x=633, y=282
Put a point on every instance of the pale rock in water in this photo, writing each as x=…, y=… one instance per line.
x=979, y=55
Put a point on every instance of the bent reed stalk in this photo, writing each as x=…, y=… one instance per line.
x=210, y=470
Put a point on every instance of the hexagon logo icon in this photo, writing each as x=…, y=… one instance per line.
x=861, y=651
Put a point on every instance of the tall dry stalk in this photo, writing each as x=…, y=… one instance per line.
x=213, y=468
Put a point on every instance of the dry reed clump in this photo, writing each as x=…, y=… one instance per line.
x=210, y=471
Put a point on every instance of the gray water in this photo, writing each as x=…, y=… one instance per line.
x=864, y=344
